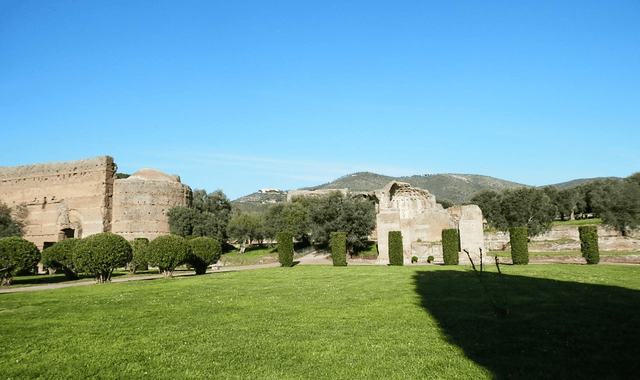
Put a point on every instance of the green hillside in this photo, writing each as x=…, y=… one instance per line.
x=458, y=188
x=581, y=181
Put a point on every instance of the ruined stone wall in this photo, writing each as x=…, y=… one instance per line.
x=141, y=203
x=567, y=238
x=71, y=199
x=415, y=213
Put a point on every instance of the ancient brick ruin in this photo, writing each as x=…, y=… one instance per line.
x=415, y=213
x=421, y=220
x=83, y=197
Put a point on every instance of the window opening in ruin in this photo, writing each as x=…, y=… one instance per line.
x=67, y=233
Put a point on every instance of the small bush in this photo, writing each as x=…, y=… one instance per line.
x=451, y=246
x=430, y=259
x=396, y=250
x=414, y=259
x=339, y=248
x=285, y=248
x=101, y=253
x=139, y=260
x=60, y=257
x=16, y=254
x=519, y=248
x=167, y=252
x=589, y=244
x=203, y=251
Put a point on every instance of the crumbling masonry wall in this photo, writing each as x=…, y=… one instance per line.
x=141, y=203
x=81, y=198
x=421, y=220
x=64, y=199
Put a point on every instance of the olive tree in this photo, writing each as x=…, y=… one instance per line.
x=167, y=252
x=60, y=257
x=336, y=212
x=101, y=254
x=203, y=252
x=16, y=254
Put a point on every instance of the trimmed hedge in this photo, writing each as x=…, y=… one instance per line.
x=339, y=249
x=519, y=237
x=396, y=250
x=285, y=248
x=60, y=257
x=450, y=246
x=203, y=251
x=167, y=252
x=16, y=254
x=589, y=244
x=101, y=253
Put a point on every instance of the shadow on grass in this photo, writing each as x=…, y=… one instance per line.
x=559, y=330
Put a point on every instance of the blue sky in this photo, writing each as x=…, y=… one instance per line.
x=243, y=95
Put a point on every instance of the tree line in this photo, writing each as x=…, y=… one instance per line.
x=616, y=202
x=309, y=219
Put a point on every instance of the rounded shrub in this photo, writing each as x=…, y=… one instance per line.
x=451, y=246
x=203, y=251
x=167, y=252
x=16, y=255
x=285, y=248
x=414, y=259
x=589, y=244
x=396, y=250
x=339, y=249
x=519, y=237
x=101, y=253
x=430, y=259
x=139, y=259
x=60, y=257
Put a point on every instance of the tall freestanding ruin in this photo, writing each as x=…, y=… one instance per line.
x=415, y=213
x=421, y=220
x=83, y=197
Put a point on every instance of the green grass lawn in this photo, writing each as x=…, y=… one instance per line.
x=563, y=253
x=367, y=322
x=252, y=255
x=581, y=222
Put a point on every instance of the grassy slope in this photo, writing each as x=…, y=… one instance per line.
x=326, y=322
x=253, y=255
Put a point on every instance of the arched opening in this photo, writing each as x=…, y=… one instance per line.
x=66, y=233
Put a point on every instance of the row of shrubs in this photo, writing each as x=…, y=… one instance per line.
x=102, y=253
x=519, y=239
x=519, y=245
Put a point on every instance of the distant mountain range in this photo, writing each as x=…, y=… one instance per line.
x=458, y=188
